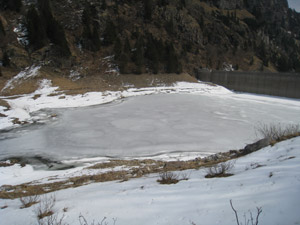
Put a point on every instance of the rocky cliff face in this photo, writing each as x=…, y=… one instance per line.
x=149, y=36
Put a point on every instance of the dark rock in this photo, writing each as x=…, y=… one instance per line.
x=256, y=146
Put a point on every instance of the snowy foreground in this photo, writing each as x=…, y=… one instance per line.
x=268, y=178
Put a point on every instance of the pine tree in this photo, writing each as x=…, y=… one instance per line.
x=123, y=63
x=118, y=48
x=95, y=38
x=2, y=30
x=54, y=30
x=201, y=22
x=138, y=55
x=172, y=62
x=103, y=5
x=283, y=64
x=152, y=54
x=148, y=7
x=13, y=5
x=36, y=31
x=5, y=60
x=110, y=33
x=124, y=58
x=86, y=18
x=57, y=36
x=127, y=48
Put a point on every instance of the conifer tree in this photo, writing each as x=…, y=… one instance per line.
x=172, y=63
x=13, y=5
x=54, y=30
x=5, y=60
x=95, y=38
x=127, y=48
x=138, y=55
x=123, y=63
x=103, y=5
x=152, y=54
x=124, y=58
x=148, y=7
x=118, y=48
x=110, y=33
x=2, y=30
x=36, y=31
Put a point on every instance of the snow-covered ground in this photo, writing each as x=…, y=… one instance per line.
x=269, y=179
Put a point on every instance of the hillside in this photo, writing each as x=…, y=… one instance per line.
x=97, y=40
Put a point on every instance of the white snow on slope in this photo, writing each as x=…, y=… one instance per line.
x=29, y=72
x=268, y=178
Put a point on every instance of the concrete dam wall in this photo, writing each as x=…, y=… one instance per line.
x=277, y=84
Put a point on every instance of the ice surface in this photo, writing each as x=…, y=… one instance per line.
x=153, y=124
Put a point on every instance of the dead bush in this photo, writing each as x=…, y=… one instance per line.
x=83, y=221
x=278, y=132
x=247, y=221
x=45, y=212
x=220, y=170
x=168, y=178
x=29, y=201
x=52, y=220
x=46, y=206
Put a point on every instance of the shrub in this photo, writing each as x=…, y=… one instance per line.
x=83, y=221
x=45, y=213
x=220, y=170
x=29, y=201
x=248, y=221
x=278, y=132
x=46, y=206
x=171, y=178
x=168, y=178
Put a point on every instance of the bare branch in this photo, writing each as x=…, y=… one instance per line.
x=235, y=212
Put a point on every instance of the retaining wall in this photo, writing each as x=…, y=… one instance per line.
x=278, y=84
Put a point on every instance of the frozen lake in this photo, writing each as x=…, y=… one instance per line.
x=151, y=125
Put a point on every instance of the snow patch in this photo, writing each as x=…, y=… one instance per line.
x=227, y=67
x=29, y=72
x=22, y=34
x=74, y=75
